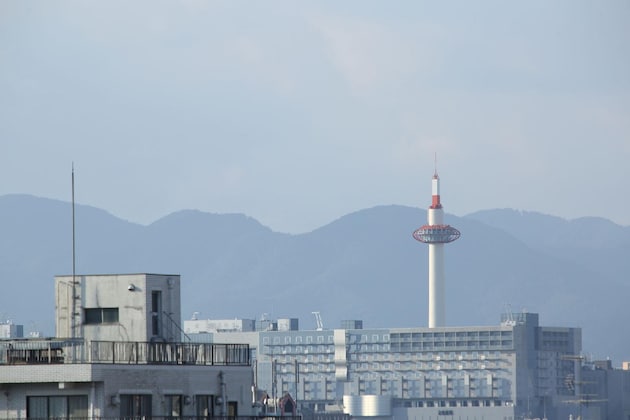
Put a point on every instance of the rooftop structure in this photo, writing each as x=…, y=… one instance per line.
x=10, y=330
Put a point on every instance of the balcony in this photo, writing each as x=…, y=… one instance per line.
x=59, y=351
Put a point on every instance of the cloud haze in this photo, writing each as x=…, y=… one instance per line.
x=297, y=113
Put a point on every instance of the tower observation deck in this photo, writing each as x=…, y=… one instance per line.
x=435, y=233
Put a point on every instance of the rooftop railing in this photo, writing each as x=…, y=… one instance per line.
x=197, y=417
x=55, y=351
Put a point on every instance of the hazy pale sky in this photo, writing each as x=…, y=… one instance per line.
x=296, y=113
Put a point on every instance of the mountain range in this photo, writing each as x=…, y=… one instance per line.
x=364, y=265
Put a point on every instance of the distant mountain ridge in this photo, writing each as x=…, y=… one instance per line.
x=364, y=265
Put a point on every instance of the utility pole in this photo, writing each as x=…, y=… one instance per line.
x=274, y=387
x=297, y=381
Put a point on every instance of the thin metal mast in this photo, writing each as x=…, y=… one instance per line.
x=435, y=164
x=73, y=318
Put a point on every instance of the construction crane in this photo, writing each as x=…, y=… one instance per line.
x=318, y=321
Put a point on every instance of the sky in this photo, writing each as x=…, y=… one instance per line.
x=297, y=113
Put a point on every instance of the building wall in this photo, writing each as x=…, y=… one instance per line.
x=187, y=381
x=512, y=368
x=103, y=385
x=13, y=401
x=10, y=330
x=455, y=413
x=607, y=392
x=131, y=295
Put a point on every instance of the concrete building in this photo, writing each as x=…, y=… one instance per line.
x=11, y=330
x=222, y=325
x=120, y=307
x=514, y=370
x=602, y=392
x=117, y=353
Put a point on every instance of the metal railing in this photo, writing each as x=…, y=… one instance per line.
x=55, y=351
x=286, y=417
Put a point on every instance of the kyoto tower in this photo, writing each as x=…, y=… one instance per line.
x=436, y=234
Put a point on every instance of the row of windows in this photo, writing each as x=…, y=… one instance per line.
x=76, y=406
x=448, y=346
x=394, y=337
x=422, y=336
x=455, y=403
x=353, y=338
x=298, y=339
x=429, y=356
x=305, y=359
x=298, y=349
x=453, y=345
x=58, y=407
x=427, y=365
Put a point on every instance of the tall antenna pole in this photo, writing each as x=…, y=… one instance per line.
x=435, y=164
x=72, y=315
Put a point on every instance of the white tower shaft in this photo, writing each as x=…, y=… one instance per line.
x=437, y=304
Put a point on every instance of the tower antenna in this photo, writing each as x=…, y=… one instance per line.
x=435, y=164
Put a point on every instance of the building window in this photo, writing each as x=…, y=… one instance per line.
x=135, y=406
x=156, y=313
x=100, y=315
x=58, y=407
x=173, y=406
x=205, y=406
x=232, y=409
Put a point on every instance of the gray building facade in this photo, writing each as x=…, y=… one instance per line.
x=516, y=369
x=118, y=353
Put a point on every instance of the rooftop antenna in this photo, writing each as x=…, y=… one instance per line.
x=72, y=316
x=318, y=321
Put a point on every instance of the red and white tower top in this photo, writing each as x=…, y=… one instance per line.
x=436, y=232
x=435, y=190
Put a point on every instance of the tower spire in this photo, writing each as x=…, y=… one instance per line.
x=435, y=165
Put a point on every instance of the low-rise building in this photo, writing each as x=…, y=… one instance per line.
x=118, y=353
x=10, y=330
